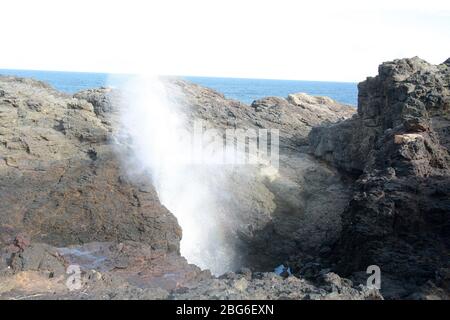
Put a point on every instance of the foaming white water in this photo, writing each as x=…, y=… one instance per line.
x=160, y=143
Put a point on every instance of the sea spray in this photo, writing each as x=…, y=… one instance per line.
x=159, y=140
x=192, y=168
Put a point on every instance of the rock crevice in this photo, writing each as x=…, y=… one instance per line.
x=397, y=147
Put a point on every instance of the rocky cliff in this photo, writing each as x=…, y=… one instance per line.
x=298, y=207
x=67, y=198
x=60, y=178
x=354, y=188
x=397, y=149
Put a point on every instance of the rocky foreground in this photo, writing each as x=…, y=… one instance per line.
x=355, y=188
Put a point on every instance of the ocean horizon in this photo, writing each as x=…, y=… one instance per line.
x=245, y=90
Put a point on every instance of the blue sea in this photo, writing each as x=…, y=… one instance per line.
x=245, y=90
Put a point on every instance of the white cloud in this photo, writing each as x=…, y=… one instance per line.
x=314, y=40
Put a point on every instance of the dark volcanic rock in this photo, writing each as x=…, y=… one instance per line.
x=405, y=111
x=398, y=147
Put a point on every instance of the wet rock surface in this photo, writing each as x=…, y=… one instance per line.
x=133, y=270
x=100, y=270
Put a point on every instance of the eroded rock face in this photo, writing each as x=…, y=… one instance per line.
x=61, y=181
x=62, y=185
x=397, y=146
x=408, y=97
x=297, y=208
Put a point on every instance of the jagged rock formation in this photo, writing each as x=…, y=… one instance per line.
x=245, y=285
x=62, y=184
x=397, y=148
x=60, y=178
x=132, y=270
x=294, y=116
x=278, y=213
x=371, y=189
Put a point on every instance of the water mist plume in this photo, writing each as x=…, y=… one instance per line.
x=191, y=170
x=157, y=131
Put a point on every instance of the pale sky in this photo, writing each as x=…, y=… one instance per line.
x=279, y=39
